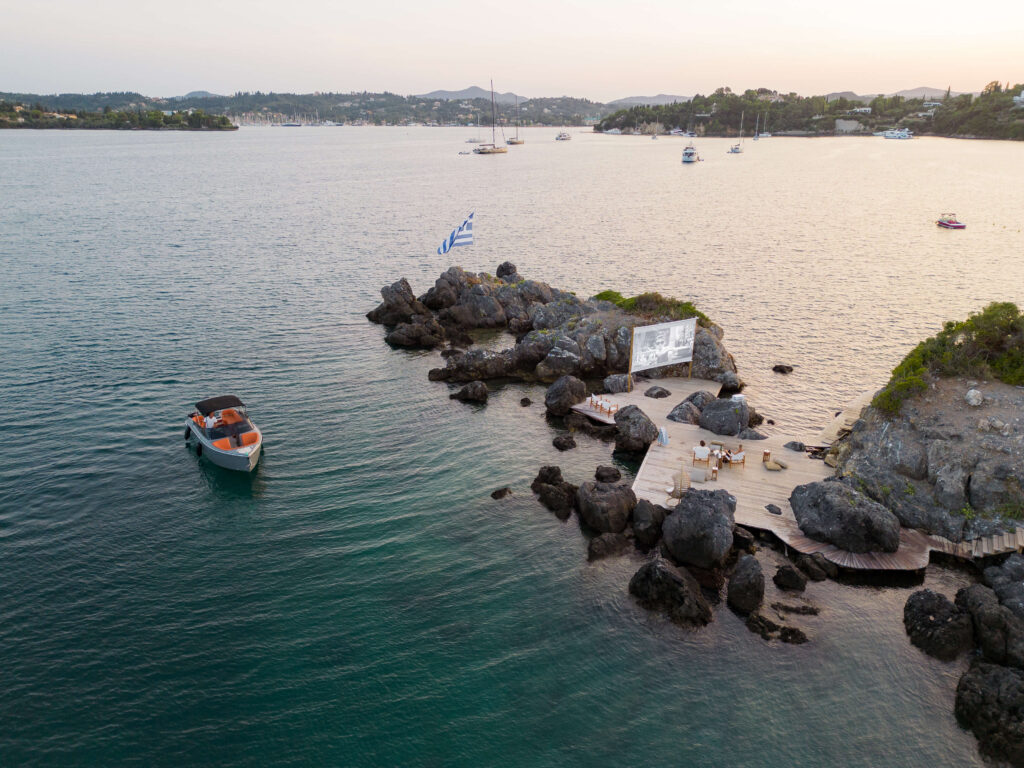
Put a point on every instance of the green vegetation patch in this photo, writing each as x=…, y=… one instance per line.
x=652, y=305
x=988, y=344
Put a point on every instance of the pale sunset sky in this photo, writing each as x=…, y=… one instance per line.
x=589, y=48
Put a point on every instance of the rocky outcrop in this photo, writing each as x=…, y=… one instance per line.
x=647, y=521
x=557, y=333
x=636, y=430
x=782, y=368
x=833, y=512
x=566, y=392
x=698, y=532
x=605, y=507
x=751, y=434
x=607, y=475
x=746, y=585
x=937, y=626
x=616, y=383
x=816, y=567
x=941, y=456
x=474, y=392
x=554, y=492
x=501, y=493
x=725, y=417
x=564, y=442
x=660, y=586
x=990, y=702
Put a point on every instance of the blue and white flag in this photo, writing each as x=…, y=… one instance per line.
x=463, y=235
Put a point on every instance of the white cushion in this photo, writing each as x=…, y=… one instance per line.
x=738, y=456
x=701, y=452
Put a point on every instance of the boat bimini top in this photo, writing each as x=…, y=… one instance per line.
x=206, y=407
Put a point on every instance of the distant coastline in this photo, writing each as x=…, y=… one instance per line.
x=15, y=116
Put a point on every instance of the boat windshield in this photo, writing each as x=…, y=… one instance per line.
x=230, y=423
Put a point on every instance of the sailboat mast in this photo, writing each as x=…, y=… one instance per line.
x=493, y=115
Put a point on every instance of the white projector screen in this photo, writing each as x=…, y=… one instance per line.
x=663, y=344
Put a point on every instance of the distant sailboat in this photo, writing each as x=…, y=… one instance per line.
x=757, y=119
x=764, y=133
x=736, y=148
x=516, y=140
x=492, y=148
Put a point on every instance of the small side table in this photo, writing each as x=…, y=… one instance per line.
x=714, y=472
x=766, y=456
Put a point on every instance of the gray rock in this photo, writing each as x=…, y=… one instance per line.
x=742, y=539
x=685, y=413
x=974, y=398
x=399, y=305
x=657, y=392
x=566, y=392
x=474, y=392
x=607, y=545
x=947, y=473
x=554, y=492
x=662, y=587
x=762, y=625
x=605, y=507
x=647, y=521
x=725, y=417
x=607, y=475
x=795, y=445
x=773, y=508
x=746, y=585
x=730, y=382
x=562, y=359
x=793, y=635
x=564, y=442
x=751, y=434
x=788, y=577
x=840, y=515
x=616, y=383
x=781, y=368
x=506, y=269
x=997, y=630
x=1007, y=581
x=501, y=493
x=422, y=331
x=526, y=402
x=636, y=430
x=700, y=399
x=816, y=567
x=937, y=626
x=990, y=702
x=699, y=531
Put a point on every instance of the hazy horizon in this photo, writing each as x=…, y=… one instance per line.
x=597, y=50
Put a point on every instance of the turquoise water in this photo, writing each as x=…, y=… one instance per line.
x=360, y=599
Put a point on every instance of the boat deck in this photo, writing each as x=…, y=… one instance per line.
x=754, y=486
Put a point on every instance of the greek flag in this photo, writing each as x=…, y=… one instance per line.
x=463, y=235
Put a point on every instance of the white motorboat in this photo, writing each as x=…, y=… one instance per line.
x=220, y=430
x=613, y=132
x=898, y=133
x=690, y=154
x=563, y=136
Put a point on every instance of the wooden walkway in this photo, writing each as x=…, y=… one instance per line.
x=754, y=487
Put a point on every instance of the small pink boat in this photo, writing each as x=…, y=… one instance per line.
x=948, y=221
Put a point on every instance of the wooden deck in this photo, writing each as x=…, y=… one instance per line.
x=754, y=486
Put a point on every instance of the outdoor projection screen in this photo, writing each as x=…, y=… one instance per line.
x=663, y=344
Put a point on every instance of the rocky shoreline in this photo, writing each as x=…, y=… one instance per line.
x=950, y=464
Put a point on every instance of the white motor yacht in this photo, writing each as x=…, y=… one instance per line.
x=231, y=440
x=563, y=136
x=690, y=154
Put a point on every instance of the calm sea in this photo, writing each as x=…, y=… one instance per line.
x=360, y=600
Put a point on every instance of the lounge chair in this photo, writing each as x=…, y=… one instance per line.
x=701, y=455
x=738, y=458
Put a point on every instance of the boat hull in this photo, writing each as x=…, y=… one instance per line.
x=244, y=460
x=951, y=225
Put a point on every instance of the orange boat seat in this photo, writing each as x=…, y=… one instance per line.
x=230, y=416
x=249, y=438
x=223, y=444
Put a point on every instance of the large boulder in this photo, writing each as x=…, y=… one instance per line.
x=647, y=521
x=421, y=331
x=554, y=492
x=685, y=413
x=607, y=545
x=998, y=632
x=788, y=577
x=636, y=430
x=701, y=398
x=562, y=359
x=563, y=394
x=746, y=585
x=662, y=587
x=607, y=474
x=605, y=507
x=699, y=531
x=474, y=392
x=1007, y=581
x=990, y=702
x=616, y=383
x=937, y=626
x=657, y=392
x=507, y=270
x=725, y=417
x=833, y=512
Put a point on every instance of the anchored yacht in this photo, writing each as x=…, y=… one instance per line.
x=220, y=430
